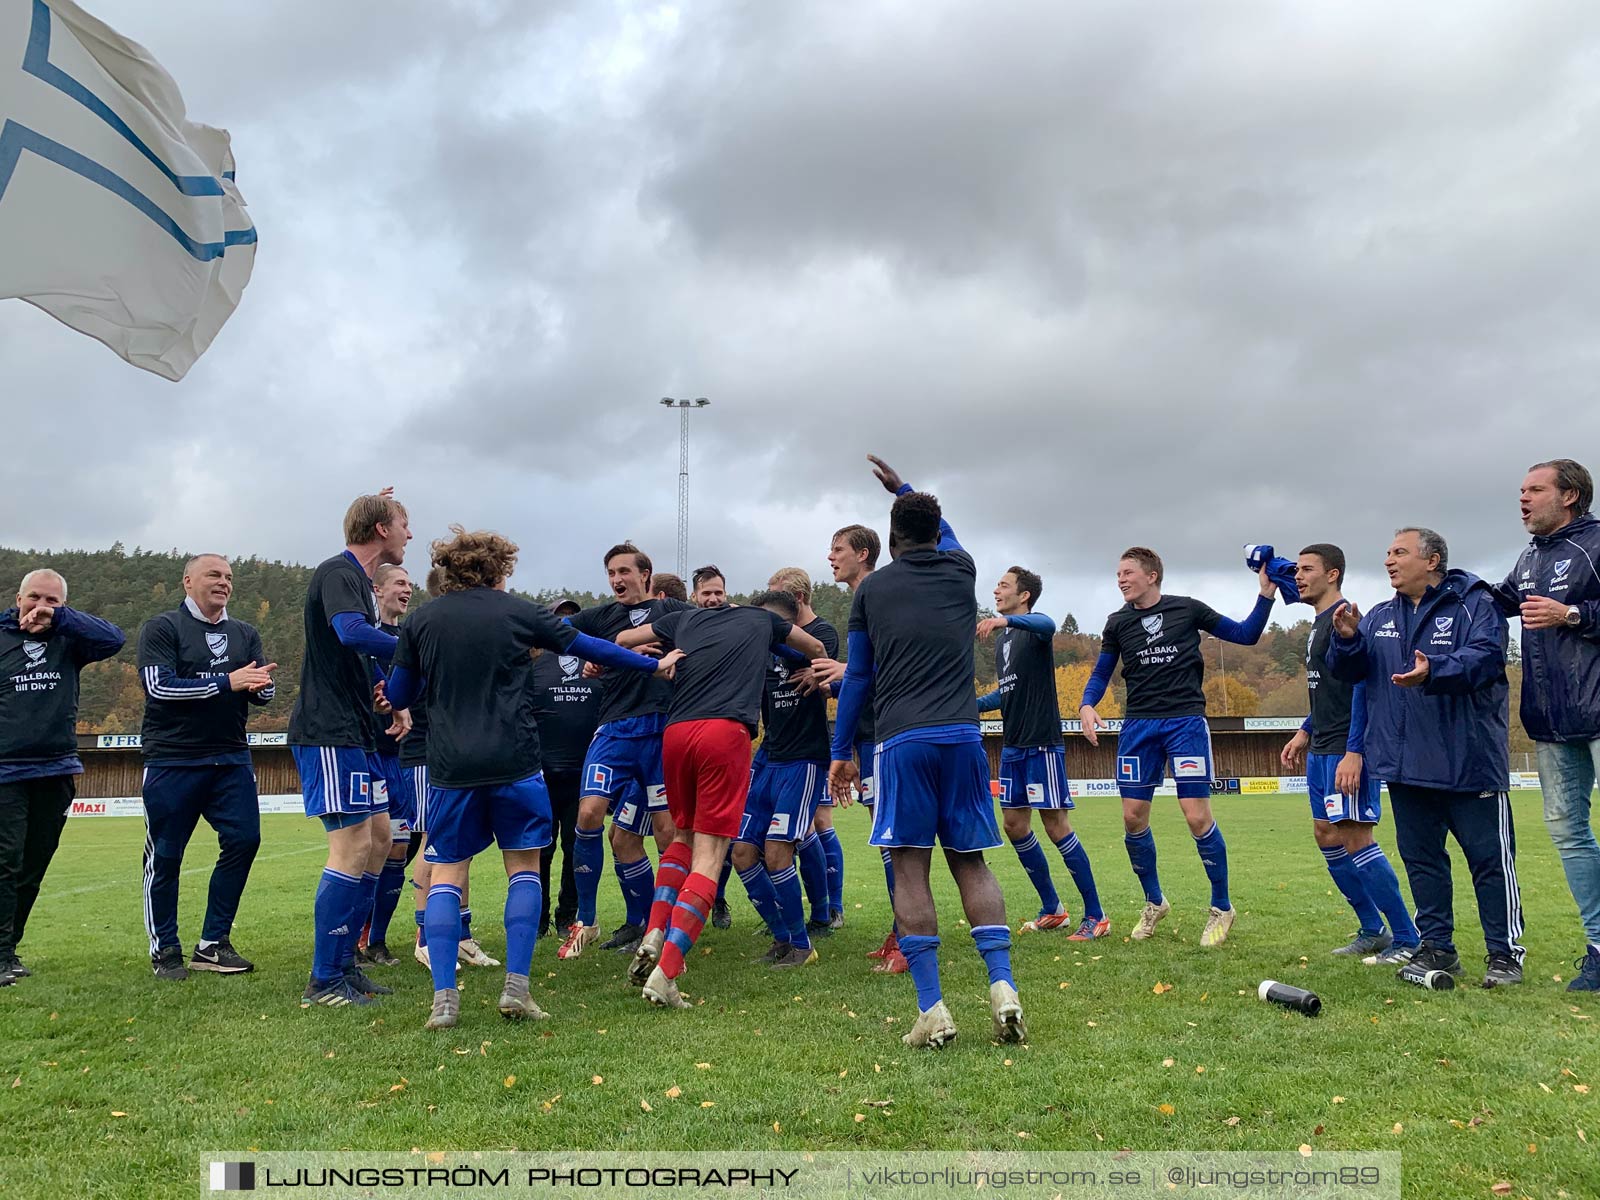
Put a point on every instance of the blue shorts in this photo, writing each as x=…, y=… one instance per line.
x=867, y=761
x=392, y=795
x=414, y=780
x=465, y=821
x=783, y=801
x=1326, y=802
x=1034, y=777
x=1148, y=744
x=627, y=772
x=934, y=791
x=335, y=781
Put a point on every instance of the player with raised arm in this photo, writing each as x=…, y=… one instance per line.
x=468, y=653
x=622, y=771
x=1033, y=761
x=715, y=705
x=1346, y=801
x=1158, y=640
x=911, y=627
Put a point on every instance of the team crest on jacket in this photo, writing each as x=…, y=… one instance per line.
x=34, y=651
x=217, y=643
x=638, y=616
x=1442, y=624
x=1005, y=656
x=1563, y=567
x=1152, y=625
x=570, y=665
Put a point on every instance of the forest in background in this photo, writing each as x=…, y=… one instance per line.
x=127, y=587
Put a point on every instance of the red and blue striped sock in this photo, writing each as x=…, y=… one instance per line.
x=695, y=898
x=674, y=869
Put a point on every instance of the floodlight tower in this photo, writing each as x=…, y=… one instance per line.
x=684, y=407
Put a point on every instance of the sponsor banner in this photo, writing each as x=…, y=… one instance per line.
x=133, y=806
x=1288, y=724
x=1109, y=787
x=1259, y=787
x=131, y=741
x=1524, y=779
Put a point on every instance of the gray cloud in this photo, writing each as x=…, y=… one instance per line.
x=1099, y=274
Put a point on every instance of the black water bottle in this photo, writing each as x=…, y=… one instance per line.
x=1290, y=997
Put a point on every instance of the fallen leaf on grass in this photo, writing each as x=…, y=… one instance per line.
x=702, y=1066
x=1094, y=1024
x=844, y=1072
x=1167, y=1062
x=1338, y=1099
x=329, y=1054
x=1399, y=1128
x=17, y=1082
x=1023, y=1133
x=119, y=1114
x=1166, y=1110
x=1006, y=1063
x=1581, y=1088
x=1305, y=1150
x=777, y=1128
x=397, y=1087
x=645, y=1105
x=1161, y=988
x=1063, y=984
x=860, y=1117
x=708, y=1104
x=1317, y=1132
x=1503, y=1188
x=673, y=1092
x=878, y=1068
x=511, y=1080
x=1199, y=1070
x=1546, y=1087
x=597, y=1080
x=1231, y=1121
x=1583, y=1137
x=1533, y=1148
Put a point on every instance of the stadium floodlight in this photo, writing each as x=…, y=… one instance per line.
x=684, y=407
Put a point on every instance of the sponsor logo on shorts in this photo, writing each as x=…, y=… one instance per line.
x=1190, y=767
x=625, y=813
x=656, y=795
x=1128, y=769
x=380, y=791
x=599, y=778
x=867, y=792
x=778, y=826
x=1035, y=792
x=1333, y=803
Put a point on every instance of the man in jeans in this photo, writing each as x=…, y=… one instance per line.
x=1555, y=589
x=43, y=646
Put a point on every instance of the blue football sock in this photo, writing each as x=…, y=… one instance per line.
x=638, y=889
x=1077, y=860
x=466, y=925
x=1213, y=853
x=524, y=897
x=422, y=927
x=391, y=884
x=1142, y=854
x=1378, y=876
x=722, y=879
x=443, y=923
x=888, y=881
x=1347, y=878
x=358, y=917
x=834, y=851
x=994, y=943
x=337, y=897
x=922, y=956
x=791, y=908
x=813, y=863
x=588, y=859
x=758, y=886
x=1031, y=855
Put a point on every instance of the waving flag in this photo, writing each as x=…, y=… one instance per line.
x=118, y=215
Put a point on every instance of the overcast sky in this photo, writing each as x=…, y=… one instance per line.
x=1097, y=274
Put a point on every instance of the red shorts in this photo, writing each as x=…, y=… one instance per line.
x=707, y=768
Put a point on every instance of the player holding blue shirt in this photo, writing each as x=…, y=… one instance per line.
x=910, y=634
x=1346, y=801
x=1033, y=762
x=1158, y=640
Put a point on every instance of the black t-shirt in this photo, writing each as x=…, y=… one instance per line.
x=472, y=647
x=387, y=746
x=193, y=727
x=723, y=673
x=1025, y=666
x=919, y=612
x=414, y=746
x=335, y=702
x=1330, y=697
x=796, y=726
x=625, y=694
x=1160, y=651
x=567, y=708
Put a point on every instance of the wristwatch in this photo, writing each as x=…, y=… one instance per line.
x=1574, y=617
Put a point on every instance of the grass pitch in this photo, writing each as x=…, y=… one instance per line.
x=115, y=1084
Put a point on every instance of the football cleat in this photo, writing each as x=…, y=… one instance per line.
x=1047, y=921
x=579, y=939
x=1217, y=926
x=1396, y=955
x=468, y=951
x=894, y=963
x=446, y=1009
x=892, y=942
x=934, y=1028
x=1364, y=944
x=663, y=992
x=1090, y=928
x=798, y=956
x=1149, y=918
x=334, y=993
x=646, y=957
x=1007, y=1012
x=358, y=979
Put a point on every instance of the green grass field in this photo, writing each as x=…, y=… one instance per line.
x=114, y=1084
